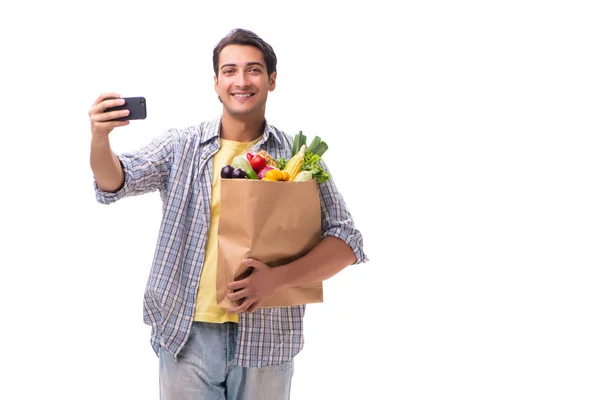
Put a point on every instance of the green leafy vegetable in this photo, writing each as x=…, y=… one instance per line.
x=312, y=164
x=281, y=162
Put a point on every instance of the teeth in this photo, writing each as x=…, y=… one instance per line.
x=243, y=95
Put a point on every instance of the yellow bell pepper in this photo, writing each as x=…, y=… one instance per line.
x=273, y=175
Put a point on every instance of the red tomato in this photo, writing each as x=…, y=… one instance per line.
x=258, y=162
x=249, y=156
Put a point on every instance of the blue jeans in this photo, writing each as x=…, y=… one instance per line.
x=203, y=370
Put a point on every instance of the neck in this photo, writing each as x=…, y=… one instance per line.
x=241, y=130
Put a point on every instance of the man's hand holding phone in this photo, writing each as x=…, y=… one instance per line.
x=110, y=111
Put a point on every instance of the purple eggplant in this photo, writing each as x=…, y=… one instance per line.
x=227, y=171
x=238, y=173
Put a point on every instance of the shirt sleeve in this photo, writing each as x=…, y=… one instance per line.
x=145, y=170
x=336, y=220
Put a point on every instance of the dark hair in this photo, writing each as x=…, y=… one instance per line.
x=248, y=38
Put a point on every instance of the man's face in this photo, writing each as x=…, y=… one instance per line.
x=242, y=81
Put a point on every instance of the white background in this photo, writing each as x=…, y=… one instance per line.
x=463, y=135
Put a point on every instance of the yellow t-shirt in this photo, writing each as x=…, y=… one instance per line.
x=206, y=300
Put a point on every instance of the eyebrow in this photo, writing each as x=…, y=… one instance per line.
x=247, y=64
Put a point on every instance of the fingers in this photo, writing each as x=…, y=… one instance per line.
x=99, y=108
x=251, y=262
x=242, y=307
x=107, y=116
x=238, y=284
x=104, y=96
x=104, y=122
x=240, y=294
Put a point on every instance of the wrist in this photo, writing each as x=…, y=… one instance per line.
x=282, y=276
x=100, y=140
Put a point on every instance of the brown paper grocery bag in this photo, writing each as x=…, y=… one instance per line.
x=274, y=222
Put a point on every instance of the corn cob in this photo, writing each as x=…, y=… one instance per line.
x=295, y=163
x=268, y=158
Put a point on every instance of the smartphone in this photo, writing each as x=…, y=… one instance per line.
x=135, y=105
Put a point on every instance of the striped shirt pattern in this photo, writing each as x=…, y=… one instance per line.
x=178, y=164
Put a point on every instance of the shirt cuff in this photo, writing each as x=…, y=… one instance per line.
x=355, y=242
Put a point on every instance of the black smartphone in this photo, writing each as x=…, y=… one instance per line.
x=135, y=105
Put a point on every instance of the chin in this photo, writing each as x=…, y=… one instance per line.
x=241, y=111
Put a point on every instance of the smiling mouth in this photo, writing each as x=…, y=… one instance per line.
x=243, y=95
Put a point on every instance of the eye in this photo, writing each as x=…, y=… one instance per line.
x=255, y=70
x=228, y=71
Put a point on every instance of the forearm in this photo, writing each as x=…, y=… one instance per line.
x=107, y=170
x=325, y=260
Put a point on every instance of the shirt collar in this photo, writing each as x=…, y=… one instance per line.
x=213, y=130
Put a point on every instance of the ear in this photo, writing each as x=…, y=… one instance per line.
x=216, y=85
x=272, y=80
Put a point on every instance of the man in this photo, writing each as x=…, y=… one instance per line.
x=207, y=352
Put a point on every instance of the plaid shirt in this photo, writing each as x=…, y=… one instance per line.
x=179, y=165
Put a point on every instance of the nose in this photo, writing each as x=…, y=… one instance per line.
x=241, y=80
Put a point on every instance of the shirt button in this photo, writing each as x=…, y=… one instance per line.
x=193, y=284
x=187, y=317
